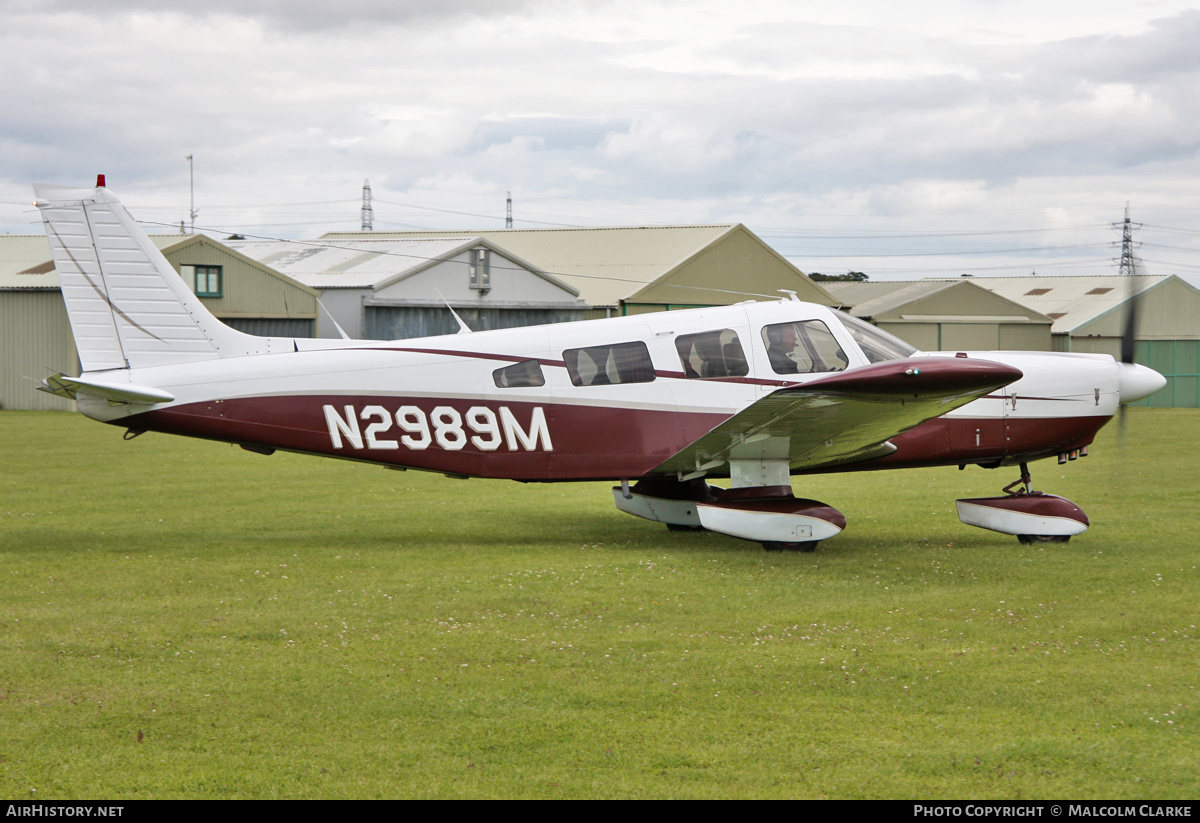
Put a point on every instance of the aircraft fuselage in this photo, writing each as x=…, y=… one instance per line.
x=442, y=403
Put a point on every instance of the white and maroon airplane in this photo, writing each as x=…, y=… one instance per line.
x=754, y=392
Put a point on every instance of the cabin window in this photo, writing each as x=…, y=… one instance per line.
x=803, y=347
x=205, y=280
x=481, y=269
x=711, y=354
x=607, y=365
x=521, y=375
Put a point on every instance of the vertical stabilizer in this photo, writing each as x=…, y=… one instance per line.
x=128, y=308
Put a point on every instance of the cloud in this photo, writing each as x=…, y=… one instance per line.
x=603, y=112
x=291, y=15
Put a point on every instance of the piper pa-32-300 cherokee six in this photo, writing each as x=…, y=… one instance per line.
x=662, y=403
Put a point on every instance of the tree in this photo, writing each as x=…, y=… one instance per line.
x=850, y=276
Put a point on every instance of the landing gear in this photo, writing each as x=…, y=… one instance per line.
x=1025, y=481
x=770, y=515
x=1032, y=516
x=1030, y=539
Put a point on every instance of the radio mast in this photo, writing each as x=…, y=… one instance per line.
x=191, y=196
x=1128, y=262
x=368, y=214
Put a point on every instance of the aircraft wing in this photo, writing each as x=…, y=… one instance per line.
x=846, y=417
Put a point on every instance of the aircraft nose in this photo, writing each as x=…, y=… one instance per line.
x=1138, y=381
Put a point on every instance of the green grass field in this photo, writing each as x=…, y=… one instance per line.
x=187, y=619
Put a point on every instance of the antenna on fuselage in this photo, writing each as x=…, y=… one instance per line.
x=341, y=332
x=791, y=294
x=463, y=328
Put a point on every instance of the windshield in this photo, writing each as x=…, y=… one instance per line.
x=875, y=343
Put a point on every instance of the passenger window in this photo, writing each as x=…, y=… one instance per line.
x=712, y=354
x=803, y=348
x=519, y=375
x=607, y=365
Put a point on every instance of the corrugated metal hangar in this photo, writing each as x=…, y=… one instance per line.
x=35, y=335
x=947, y=315
x=1086, y=314
x=632, y=270
x=1089, y=316
x=383, y=288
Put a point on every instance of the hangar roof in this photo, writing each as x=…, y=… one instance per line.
x=879, y=300
x=1070, y=302
x=606, y=265
x=25, y=261
x=368, y=262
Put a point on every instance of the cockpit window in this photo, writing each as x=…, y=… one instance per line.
x=803, y=348
x=876, y=344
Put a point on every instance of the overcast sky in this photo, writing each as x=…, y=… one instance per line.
x=900, y=139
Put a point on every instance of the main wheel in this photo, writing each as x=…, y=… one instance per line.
x=1028, y=539
x=682, y=527
x=781, y=546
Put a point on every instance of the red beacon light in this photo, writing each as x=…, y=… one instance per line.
x=99, y=181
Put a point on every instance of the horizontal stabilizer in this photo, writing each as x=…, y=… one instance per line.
x=72, y=387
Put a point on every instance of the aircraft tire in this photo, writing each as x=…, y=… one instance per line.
x=681, y=527
x=781, y=546
x=1029, y=539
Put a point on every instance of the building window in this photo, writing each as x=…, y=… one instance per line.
x=606, y=365
x=481, y=269
x=205, y=280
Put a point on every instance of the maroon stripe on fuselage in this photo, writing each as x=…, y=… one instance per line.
x=476, y=355
x=581, y=442
x=585, y=442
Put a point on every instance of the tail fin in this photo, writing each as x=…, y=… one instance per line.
x=128, y=308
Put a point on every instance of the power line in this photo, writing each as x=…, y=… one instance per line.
x=853, y=234
x=471, y=214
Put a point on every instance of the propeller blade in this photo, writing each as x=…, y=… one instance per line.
x=1129, y=336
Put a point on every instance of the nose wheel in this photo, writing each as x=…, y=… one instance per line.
x=1030, y=539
